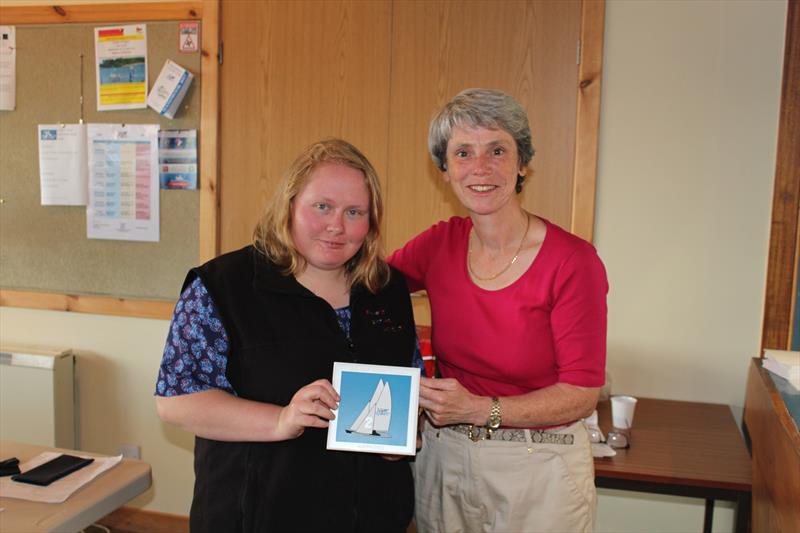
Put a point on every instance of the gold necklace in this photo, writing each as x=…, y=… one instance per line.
x=513, y=259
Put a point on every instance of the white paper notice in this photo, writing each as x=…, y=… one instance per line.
x=8, y=68
x=63, y=170
x=123, y=182
x=121, y=53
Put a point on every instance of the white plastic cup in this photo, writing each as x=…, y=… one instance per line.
x=591, y=420
x=622, y=408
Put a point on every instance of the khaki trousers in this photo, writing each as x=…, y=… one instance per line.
x=500, y=486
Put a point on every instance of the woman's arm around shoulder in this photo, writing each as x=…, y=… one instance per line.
x=413, y=258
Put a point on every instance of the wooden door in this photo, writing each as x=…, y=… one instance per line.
x=374, y=73
x=527, y=49
x=294, y=72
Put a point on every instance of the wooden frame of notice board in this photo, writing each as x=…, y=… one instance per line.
x=204, y=11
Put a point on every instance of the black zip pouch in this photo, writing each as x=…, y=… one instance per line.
x=52, y=470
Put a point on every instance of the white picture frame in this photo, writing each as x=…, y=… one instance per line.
x=367, y=391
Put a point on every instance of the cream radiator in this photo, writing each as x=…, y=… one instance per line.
x=37, y=396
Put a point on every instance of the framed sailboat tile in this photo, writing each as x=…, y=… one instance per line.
x=378, y=409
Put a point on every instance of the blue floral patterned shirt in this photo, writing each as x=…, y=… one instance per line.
x=196, y=352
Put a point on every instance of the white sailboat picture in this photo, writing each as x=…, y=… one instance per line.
x=378, y=409
x=374, y=419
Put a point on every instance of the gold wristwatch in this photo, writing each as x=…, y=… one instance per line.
x=495, y=417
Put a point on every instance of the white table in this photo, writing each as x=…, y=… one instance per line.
x=101, y=496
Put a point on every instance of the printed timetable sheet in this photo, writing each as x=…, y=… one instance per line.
x=123, y=182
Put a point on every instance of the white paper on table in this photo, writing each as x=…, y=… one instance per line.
x=58, y=491
x=123, y=182
x=8, y=68
x=121, y=55
x=63, y=171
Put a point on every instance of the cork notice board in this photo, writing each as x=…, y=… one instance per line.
x=44, y=248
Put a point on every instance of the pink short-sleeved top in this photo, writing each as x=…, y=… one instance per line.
x=549, y=326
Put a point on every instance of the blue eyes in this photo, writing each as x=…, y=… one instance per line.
x=355, y=213
x=352, y=213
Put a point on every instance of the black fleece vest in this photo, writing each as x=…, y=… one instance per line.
x=283, y=337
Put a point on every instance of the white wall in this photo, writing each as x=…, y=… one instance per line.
x=689, y=116
x=686, y=168
x=687, y=147
x=116, y=365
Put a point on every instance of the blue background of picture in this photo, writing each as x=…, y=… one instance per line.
x=356, y=390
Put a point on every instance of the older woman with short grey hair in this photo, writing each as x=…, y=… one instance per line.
x=518, y=309
x=488, y=109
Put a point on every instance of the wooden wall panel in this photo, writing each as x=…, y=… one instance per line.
x=209, y=138
x=590, y=75
x=785, y=228
x=294, y=72
x=439, y=48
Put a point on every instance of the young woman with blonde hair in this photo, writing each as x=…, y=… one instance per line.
x=252, y=346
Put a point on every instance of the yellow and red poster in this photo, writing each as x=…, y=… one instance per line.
x=121, y=53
